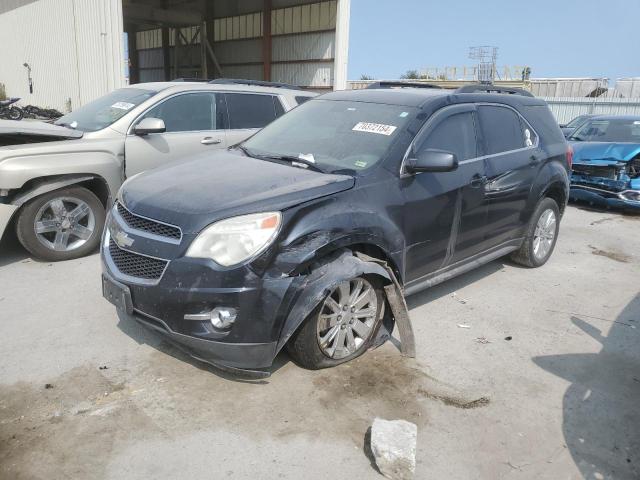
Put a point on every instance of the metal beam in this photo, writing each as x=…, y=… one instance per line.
x=266, y=40
x=176, y=53
x=212, y=55
x=166, y=55
x=146, y=14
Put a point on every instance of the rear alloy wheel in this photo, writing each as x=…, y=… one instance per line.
x=342, y=327
x=61, y=225
x=541, y=237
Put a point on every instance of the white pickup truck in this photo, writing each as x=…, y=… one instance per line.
x=56, y=181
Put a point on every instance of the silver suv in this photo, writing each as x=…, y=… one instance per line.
x=57, y=180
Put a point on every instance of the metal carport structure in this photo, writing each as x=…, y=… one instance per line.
x=77, y=49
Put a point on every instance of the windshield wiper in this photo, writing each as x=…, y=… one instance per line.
x=577, y=139
x=300, y=162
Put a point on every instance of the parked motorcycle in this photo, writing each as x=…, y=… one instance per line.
x=31, y=111
x=11, y=112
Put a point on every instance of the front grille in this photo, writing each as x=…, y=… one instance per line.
x=146, y=225
x=135, y=265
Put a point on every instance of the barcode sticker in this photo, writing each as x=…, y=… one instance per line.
x=374, y=128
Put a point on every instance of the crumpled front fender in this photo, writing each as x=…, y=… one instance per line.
x=338, y=268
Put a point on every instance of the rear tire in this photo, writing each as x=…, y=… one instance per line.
x=15, y=113
x=351, y=330
x=61, y=225
x=541, y=235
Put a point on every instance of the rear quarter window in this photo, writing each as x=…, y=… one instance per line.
x=502, y=129
x=250, y=110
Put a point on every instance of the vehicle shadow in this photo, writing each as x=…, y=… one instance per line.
x=601, y=408
x=147, y=336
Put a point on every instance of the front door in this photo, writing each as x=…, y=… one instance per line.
x=195, y=123
x=445, y=211
x=513, y=161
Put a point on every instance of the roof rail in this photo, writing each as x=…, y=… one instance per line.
x=255, y=83
x=190, y=79
x=489, y=88
x=401, y=84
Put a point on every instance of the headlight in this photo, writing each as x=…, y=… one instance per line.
x=633, y=195
x=235, y=240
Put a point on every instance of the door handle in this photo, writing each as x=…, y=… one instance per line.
x=478, y=181
x=210, y=141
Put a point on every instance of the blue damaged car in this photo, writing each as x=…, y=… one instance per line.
x=606, y=162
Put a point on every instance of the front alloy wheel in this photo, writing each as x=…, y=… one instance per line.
x=62, y=224
x=347, y=318
x=342, y=327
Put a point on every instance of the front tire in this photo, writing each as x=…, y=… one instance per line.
x=342, y=327
x=541, y=236
x=61, y=225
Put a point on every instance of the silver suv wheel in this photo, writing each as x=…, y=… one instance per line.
x=64, y=224
x=347, y=318
x=544, y=234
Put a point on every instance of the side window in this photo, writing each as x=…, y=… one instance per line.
x=248, y=110
x=189, y=112
x=301, y=99
x=455, y=134
x=277, y=104
x=502, y=129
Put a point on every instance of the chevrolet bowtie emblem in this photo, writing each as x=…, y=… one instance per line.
x=122, y=239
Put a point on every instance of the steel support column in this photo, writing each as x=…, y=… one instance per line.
x=266, y=40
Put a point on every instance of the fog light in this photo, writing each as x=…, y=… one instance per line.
x=223, y=317
x=220, y=317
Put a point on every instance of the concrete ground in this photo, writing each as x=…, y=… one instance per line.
x=520, y=374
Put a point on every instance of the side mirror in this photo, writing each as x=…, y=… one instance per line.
x=150, y=125
x=432, y=160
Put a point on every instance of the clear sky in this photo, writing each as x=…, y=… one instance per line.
x=556, y=38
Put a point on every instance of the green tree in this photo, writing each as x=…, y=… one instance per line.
x=364, y=76
x=410, y=75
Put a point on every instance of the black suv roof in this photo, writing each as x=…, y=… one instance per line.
x=419, y=97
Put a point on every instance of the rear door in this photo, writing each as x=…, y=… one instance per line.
x=195, y=123
x=249, y=112
x=445, y=211
x=513, y=161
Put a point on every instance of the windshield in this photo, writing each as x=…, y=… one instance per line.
x=105, y=110
x=610, y=130
x=333, y=135
x=576, y=121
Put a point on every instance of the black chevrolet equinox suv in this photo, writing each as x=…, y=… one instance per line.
x=289, y=238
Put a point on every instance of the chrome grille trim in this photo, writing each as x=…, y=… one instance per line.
x=150, y=226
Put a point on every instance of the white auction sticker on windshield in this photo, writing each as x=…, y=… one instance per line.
x=123, y=105
x=378, y=128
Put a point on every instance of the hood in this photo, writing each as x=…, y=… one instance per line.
x=13, y=132
x=585, y=152
x=209, y=188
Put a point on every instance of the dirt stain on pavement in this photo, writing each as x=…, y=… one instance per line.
x=616, y=256
x=73, y=428
x=65, y=428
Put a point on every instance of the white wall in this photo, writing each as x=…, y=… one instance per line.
x=74, y=47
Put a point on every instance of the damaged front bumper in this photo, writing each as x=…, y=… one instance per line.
x=606, y=192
